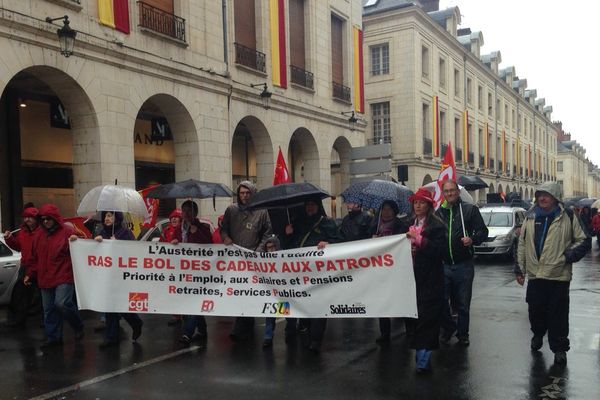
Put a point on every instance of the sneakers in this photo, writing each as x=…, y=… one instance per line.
x=185, y=340
x=137, y=331
x=537, y=342
x=560, y=358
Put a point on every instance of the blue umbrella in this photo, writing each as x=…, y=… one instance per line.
x=372, y=194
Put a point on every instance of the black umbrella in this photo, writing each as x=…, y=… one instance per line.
x=286, y=195
x=587, y=202
x=472, y=182
x=190, y=189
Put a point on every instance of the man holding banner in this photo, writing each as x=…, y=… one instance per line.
x=249, y=229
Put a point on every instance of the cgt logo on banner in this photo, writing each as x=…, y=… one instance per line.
x=138, y=301
x=279, y=308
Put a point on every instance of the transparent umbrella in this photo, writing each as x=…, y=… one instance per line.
x=112, y=198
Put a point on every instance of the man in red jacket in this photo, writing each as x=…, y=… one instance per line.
x=53, y=270
x=22, y=241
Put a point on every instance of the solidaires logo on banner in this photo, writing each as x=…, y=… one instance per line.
x=367, y=278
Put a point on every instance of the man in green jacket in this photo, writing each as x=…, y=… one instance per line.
x=551, y=240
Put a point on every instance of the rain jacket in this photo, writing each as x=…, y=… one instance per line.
x=356, y=226
x=309, y=231
x=474, y=226
x=201, y=236
x=23, y=240
x=560, y=237
x=119, y=231
x=50, y=252
x=246, y=228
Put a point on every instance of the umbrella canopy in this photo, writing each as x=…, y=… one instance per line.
x=372, y=194
x=596, y=204
x=472, y=182
x=464, y=195
x=190, y=189
x=112, y=198
x=588, y=202
x=286, y=195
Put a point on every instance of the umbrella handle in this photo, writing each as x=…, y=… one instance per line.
x=287, y=210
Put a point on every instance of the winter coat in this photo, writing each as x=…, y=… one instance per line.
x=51, y=256
x=401, y=225
x=169, y=233
x=201, y=236
x=565, y=242
x=596, y=224
x=356, y=226
x=309, y=231
x=455, y=252
x=428, y=265
x=119, y=231
x=23, y=241
x=246, y=228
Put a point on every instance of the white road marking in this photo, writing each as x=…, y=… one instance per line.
x=113, y=374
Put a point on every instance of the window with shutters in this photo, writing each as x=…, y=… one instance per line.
x=298, y=68
x=380, y=59
x=340, y=91
x=246, y=53
x=380, y=115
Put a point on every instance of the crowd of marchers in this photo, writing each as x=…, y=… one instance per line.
x=552, y=238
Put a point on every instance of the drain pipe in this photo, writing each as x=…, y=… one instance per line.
x=225, y=48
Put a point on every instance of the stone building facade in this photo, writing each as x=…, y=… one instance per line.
x=427, y=83
x=178, y=96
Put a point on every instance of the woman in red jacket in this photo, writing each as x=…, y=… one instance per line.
x=53, y=270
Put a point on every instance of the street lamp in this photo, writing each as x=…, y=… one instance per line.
x=66, y=35
x=265, y=95
x=352, y=120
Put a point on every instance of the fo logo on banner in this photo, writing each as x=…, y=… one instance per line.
x=138, y=301
x=279, y=308
x=207, y=306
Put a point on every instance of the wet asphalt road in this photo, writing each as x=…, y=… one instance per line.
x=497, y=365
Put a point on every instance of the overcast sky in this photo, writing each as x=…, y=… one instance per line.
x=554, y=45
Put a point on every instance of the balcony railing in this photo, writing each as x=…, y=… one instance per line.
x=341, y=92
x=302, y=77
x=427, y=147
x=458, y=155
x=250, y=57
x=379, y=140
x=161, y=21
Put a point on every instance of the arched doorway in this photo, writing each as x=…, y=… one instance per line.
x=491, y=188
x=340, y=174
x=500, y=188
x=303, y=156
x=49, y=142
x=251, y=153
x=165, y=145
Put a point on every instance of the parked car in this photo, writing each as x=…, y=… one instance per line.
x=153, y=234
x=10, y=262
x=504, y=225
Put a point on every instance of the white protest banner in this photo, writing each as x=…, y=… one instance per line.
x=367, y=278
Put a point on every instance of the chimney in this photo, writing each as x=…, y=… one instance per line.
x=430, y=5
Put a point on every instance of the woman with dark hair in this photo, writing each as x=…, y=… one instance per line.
x=113, y=228
x=388, y=223
x=311, y=228
x=428, y=239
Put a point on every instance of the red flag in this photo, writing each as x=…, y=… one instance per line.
x=447, y=171
x=281, y=172
x=78, y=224
x=151, y=205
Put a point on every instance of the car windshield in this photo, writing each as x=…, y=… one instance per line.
x=497, y=219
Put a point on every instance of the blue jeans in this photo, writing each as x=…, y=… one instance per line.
x=458, y=288
x=269, y=328
x=191, y=322
x=59, y=303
